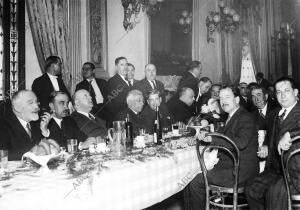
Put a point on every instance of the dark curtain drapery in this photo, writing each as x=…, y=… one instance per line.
x=48, y=23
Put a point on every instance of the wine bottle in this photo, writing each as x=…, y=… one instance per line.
x=157, y=134
x=129, y=132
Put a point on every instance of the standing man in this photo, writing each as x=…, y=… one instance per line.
x=96, y=87
x=244, y=97
x=50, y=81
x=267, y=190
x=241, y=129
x=262, y=81
x=130, y=74
x=118, y=88
x=150, y=83
x=191, y=78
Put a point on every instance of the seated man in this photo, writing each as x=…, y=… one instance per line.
x=91, y=125
x=97, y=89
x=267, y=190
x=20, y=131
x=135, y=103
x=59, y=126
x=149, y=112
x=241, y=128
x=180, y=108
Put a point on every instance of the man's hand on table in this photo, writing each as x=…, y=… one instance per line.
x=262, y=151
x=89, y=141
x=202, y=136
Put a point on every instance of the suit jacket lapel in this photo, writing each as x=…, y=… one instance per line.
x=231, y=120
x=290, y=119
x=20, y=129
x=49, y=83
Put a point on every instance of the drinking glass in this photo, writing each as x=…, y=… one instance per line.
x=3, y=159
x=72, y=145
x=175, y=129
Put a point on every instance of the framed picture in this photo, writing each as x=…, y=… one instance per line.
x=97, y=33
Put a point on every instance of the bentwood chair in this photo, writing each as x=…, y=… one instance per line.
x=219, y=196
x=293, y=200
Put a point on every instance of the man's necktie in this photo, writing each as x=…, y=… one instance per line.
x=91, y=117
x=154, y=85
x=28, y=129
x=261, y=114
x=281, y=117
x=228, y=119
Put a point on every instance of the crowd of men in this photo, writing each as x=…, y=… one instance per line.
x=49, y=111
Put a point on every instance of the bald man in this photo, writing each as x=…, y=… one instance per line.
x=91, y=125
x=19, y=131
x=150, y=83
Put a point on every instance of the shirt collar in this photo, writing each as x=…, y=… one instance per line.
x=123, y=78
x=84, y=113
x=264, y=110
x=52, y=76
x=90, y=80
x=232, y=113
x=287, y=110
x=58, y=121
x=133, y=111
x=193, y=74
x=23, y=122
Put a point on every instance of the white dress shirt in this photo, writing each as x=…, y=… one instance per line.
x=98, y=94
x=151, y=83
x=124, y=79
x=264, y=110
x=58, y=121
x=54, y=82
x=24, y=124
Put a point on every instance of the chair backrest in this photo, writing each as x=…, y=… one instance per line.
x=285, y=170
x=235, y=156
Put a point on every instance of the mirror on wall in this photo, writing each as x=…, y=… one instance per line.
x=171, y=37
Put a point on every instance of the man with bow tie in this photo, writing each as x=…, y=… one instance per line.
x=50, y=81
x=96, y=87
x=267, y=191
x=91, y=125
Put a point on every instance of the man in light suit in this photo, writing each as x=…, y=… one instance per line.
x=267, y=191
x=91, y=125
x=241, y=128
x=150, y=83
x=50, y=81
x=96, y=87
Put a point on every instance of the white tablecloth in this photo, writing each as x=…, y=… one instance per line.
x=124, y=185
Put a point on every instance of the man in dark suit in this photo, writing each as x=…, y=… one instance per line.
x=91, y=125
x=20, y=131
x=50, y=81
x=150, y=83
x=130, y=74
x=149, y=112
x=59, y=126
x=180, y=107
x=135, y=103
x=262, y=81
x=203, y=95
x=191, y=78
x=96, y=87
x=267, y=191
x=118, y=88
x=241, y=128
x=244, y=97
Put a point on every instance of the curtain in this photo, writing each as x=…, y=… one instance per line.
x=48, y=22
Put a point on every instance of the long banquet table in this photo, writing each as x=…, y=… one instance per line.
x=123, y=185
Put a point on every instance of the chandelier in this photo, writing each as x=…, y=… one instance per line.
x=224, y=20
x=185, y=21
x=132, y=9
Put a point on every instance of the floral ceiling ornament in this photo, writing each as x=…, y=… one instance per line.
x=132, y=9
x=225, y=20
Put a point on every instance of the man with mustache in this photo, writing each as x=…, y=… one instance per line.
x=20, y=131
x=59, y=126
x=241, y=129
